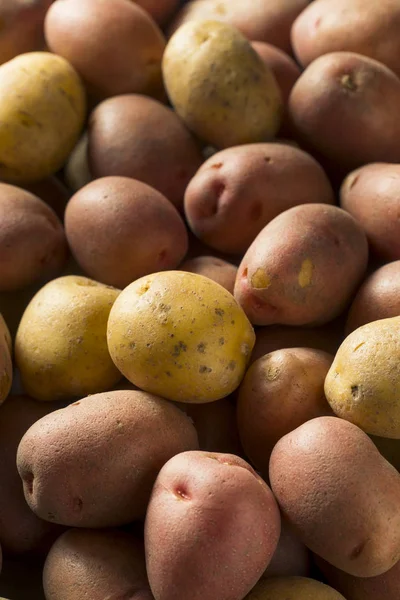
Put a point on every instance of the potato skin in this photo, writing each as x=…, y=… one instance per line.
x=93, y=463
x=283, y=66
x=160, y=10
x=76, y=171
x=371, y=195
x=344, y=107
x=238, y=191
x=124, y=139
x=363, y=382
x=53, y=192
x=209, y=509
x=22, y=27
x=215, y=268
x=120, y=229
x=293, y=588
x=126, y=45
x=291, y=557
x=303, y=267
x=6, y=367
x=317, y=474
x=280, y=391
x=363, y=26
x=96, y=564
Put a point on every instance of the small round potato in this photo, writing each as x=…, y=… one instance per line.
x=181, y=336
x=6, y=367
x=125, y=139
x=120, y=229
x=21, y=27
x=293, y=588
x=215, y=268
x=32, y=241
x=237, y=191
x=93, y=464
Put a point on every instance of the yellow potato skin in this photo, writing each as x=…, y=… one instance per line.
x=61, y=346
x=6, y=370
x=292, y=588
x=219, y=86
x=42, y=110
x=181, y=336
x=363, y=383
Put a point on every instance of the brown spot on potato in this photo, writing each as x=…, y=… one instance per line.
x=348, y=82
x=28, y=480
x=358, y=550
x=77, y=504
x=179, y=348
x=232, y=365
x=245, y=349
x=359, y=346
x=356, y=393
x=205, y=369
x=268, y=159
x=221, y=341
x=353, y=181
x=201, y=348
x=220, y=312
x=216, y=165
x=143, y=289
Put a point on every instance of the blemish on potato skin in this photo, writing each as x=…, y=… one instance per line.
x=220, y=312
x=204, y=369
x=260, y=280
x=221, y=341
x=201, y=348
x=306, y=273
x=179, y=348
x=359, y=346
x=231, y=365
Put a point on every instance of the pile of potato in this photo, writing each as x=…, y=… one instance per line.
x=199, y=300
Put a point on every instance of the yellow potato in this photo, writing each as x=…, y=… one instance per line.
x=181, y=336
x=219, y=85
x=293, y=588
x=6, y=371
x=42, y=109
x=60, y=346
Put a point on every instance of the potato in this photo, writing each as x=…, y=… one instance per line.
x=180, y=335
x=363, y=26
x=378, y=297
x=332, y=484
x=124, y=139
x=93, y=463
x=237, y=101
x=211, y=528
x=21, y=27
x=303, y=267
x=160, y=10
x=97, y=565
x=5, y=334
x=215, y=268
x=389, y=448
x=32, y=241
x=263, y=21
x=363, y=382
x=238, y=191
x=293, y=588
x=125, y=50
x=60, y=346
x=42, y=108
x=21, y=532
x=52, y=191
x=371, y=195
x=120, y=229
x=77, y=173
x=291, y=557
x=6, y=368
x=281, y=391
x=344, y=107
x=283, y=66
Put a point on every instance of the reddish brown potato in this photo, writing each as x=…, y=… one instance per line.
x=372, y=195
x=21, y=27
x=389, y=448
x=96, y=565
x=378, y=297
x=303, y=267
x=120, y=229
x=125, y=50
x=32, y=241
x=215, y=268
x=291, y=557
x=332, y=484
x=160, y=10
x=238, y=191
x=209, y=513
x=344, y=106
x=135, y=136
x=364, y=26
x=283, y=66
x=281, y=391
x=53, y=192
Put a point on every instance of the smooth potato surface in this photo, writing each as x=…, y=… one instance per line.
x=6, y=367
x=215, y=268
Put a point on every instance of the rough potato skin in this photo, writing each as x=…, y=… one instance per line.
x=363, y=383
x=215, y=268
x=93, y=464
x=293, y=588
x=215, y=516
x=303, y=267
x=97, y=565
x=332, y=484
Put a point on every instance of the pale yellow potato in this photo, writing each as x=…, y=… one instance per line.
x=293, y=588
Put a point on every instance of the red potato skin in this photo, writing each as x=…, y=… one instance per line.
x=160, y=10
x=291, y=557
x=209, y=514
x=218, y=270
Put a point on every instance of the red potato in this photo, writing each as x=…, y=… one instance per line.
x=283, y=66
x=160, y=10
x=212, y=527
x=21, y=27
x=215, y=268
x=237, y=191
x=291, y=557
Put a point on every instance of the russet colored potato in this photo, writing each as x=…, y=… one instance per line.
x=160, y=10
x=293, y=588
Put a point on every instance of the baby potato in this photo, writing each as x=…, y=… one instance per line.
x=97, y=565
x=42, y=109
x=60, y=346
x=238, y=191
x=364, y=26
x=215, y=268
x=303, y=267
x=125, y=50
x=344, y=107
x=371, y=195
x=332, y=484
x=32, y=241
x=237, y=101
x=124, y=139
x=76, y=172
x=209, y=513
x=363, y=383
x=280, y=391
x=293, y=588
x=378, y=297
x=291, y=557
x=6, y=367
x=120, y=229
x=21, y=27
x=93, y=464
x=180, y=335
x=160, y=10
